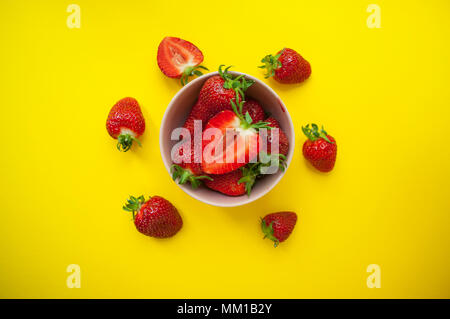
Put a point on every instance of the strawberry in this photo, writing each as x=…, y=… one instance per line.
x=254, y=109
x=199, y=112
x=125, y=123
x=239, y=138
x=278, y=226
x=272, y=122
x=189, y=124
x=286, y=67
x=283, y=146
x=156, y=217
x=320, y=148
x=237, y=182
x=228, y=183
x=178, y=58
x=217, y=92
x=215, y=96
x=205, y=112
x=189, y=170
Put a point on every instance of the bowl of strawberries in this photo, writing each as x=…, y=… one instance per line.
x=226, y=138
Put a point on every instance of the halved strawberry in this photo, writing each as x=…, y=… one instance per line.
x=235, y=144
x=178, y=58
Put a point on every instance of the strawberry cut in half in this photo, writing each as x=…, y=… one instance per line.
x=180, y=59
x=230, y=140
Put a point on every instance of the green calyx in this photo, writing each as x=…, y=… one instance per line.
x=191, y=71
x=314, y=134
x=265, y=160
x=239, y=84
x=134, y=204
x=271, y=63
x=268, y=232
x=184, y=175
x=252, y=171
x=124, y=142
x=249, y=174
x=246, y=120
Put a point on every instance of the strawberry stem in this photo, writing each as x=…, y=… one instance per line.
x=239, y=84
x=268, y=232
x=246, y=120
x=251, y=172
x=134, y=204
x=191, y=71
x=271, y=63
x=124, y=142
x=185, y=175
x=314, y=134
x=265, y=160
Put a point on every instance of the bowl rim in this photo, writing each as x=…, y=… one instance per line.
x=192, y=192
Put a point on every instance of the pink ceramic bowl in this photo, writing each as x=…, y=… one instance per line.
x=177, y=112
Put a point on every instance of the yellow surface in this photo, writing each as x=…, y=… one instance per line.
x=382, y=93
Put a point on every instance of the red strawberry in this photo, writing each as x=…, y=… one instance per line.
x=199, y=112
x=189, y=170
x=237, y=182
x=320, y=148
x=189, y=124
x=254, y=109
x=205, y=112
x=125, y=123
x=287, y=66
x=227, y=184
x=156, y=217
x=214, y=96
x=217, y=92
x=283, y=141
x=178, y=58
x=272, y=122
x=278, y=226
x=239, y=137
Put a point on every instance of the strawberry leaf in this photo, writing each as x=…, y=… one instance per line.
x=124, y=142
x=268, y=232
x=314, y=134
x=239, y=84
x=271, y=63
x=191, y=71
x=134, y=204
x=248, y=118
x=184, y=176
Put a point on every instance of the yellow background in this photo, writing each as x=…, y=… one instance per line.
x=382, y=93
